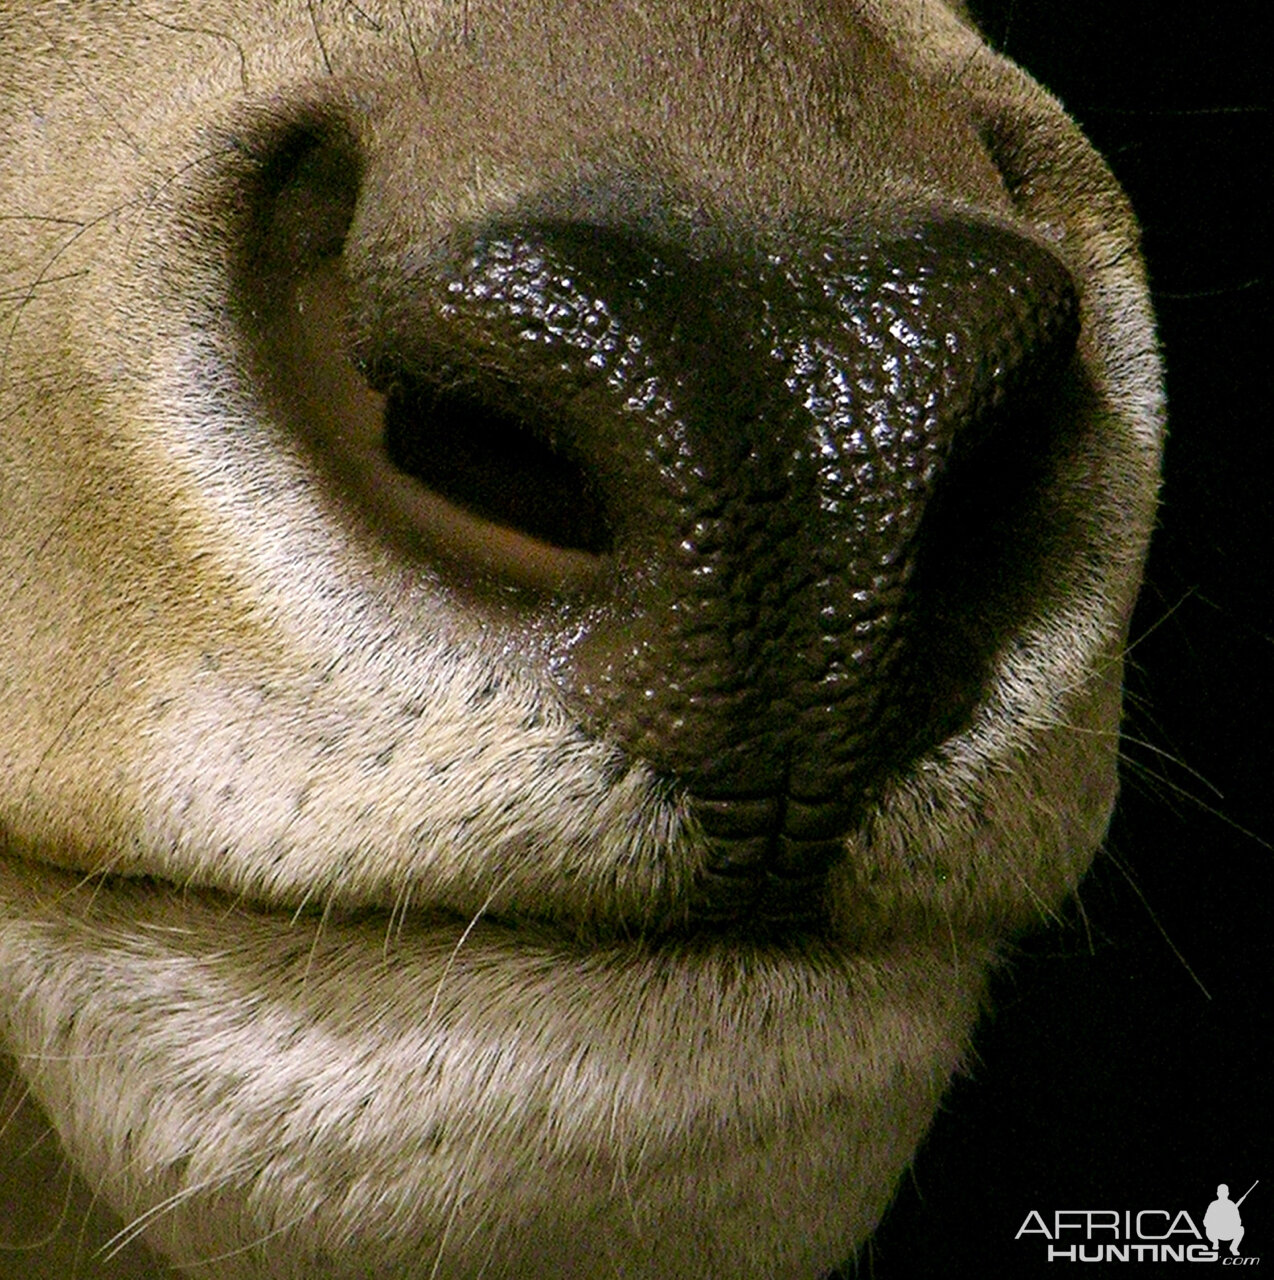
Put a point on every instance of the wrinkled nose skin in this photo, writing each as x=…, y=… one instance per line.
x=787, y=457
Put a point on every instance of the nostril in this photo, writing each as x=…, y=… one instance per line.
x=467, y=472
x=495, y=463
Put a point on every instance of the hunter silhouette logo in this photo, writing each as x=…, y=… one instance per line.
x=1222, y=1220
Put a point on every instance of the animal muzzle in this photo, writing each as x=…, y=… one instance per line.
x=803, y=474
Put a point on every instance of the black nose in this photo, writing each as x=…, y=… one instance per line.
x=789, y=458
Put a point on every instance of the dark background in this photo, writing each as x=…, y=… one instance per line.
x=1106, y=1078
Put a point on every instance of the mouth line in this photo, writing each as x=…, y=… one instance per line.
x=533, y=931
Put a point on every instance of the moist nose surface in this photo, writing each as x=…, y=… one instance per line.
x=755, y=439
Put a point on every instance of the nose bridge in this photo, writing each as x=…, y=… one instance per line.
x=742, y=120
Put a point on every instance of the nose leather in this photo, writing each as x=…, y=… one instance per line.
x=757, y=436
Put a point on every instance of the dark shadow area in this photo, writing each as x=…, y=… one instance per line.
x=1106, y=1078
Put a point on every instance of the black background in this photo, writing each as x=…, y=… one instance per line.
x=1106, y=1078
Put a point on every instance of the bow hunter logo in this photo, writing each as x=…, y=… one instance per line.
x=1143, y=1235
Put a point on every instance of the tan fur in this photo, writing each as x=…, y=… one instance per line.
x=365, y=993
